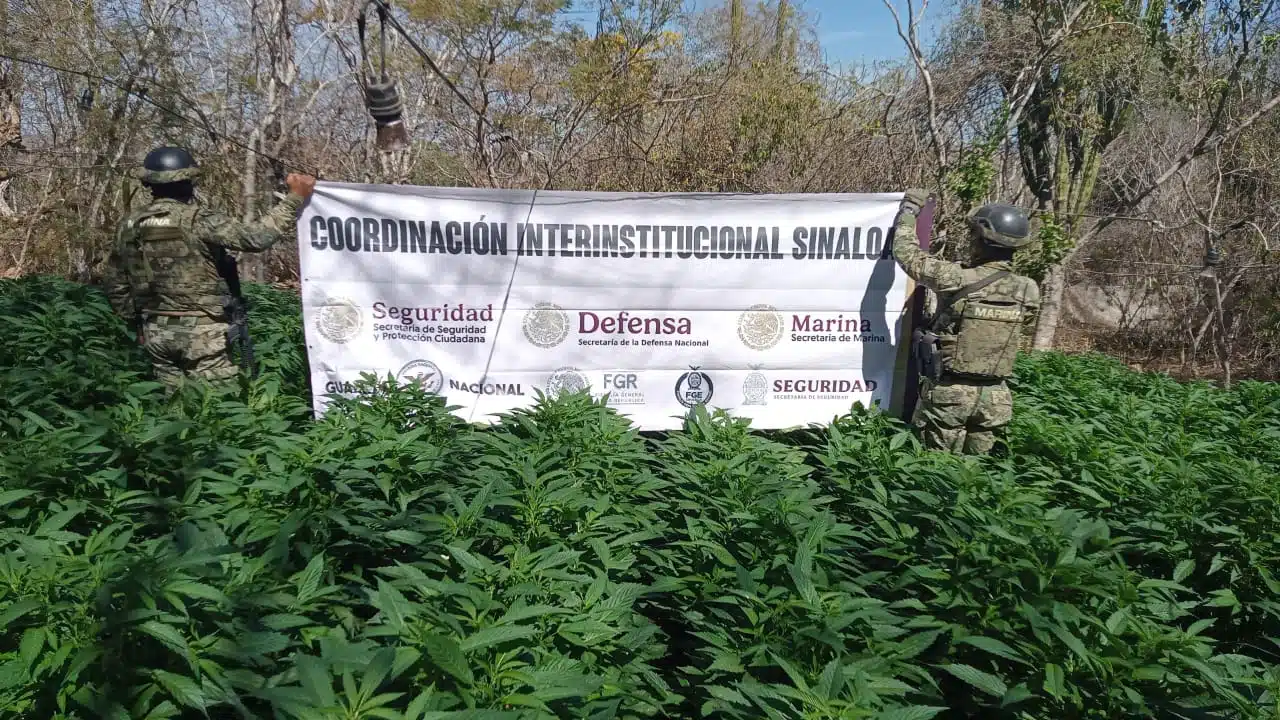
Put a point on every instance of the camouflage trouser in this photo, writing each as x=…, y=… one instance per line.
x=189, y=347
x=962, y=415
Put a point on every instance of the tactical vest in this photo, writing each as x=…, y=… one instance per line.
x=981, y=332
x=168, y=267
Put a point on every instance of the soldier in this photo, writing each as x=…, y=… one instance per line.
x=171, y=276
x=968, y=350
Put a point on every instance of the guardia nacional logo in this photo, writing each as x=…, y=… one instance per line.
x=339, y=320
x=546, y=325
x=694, y=388
x=760, y=327
x=424, y=373
x=755, y=388
x=567, y=380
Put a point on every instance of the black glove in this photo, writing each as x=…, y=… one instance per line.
x=914, y=200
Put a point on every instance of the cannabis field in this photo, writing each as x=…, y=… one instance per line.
x=220, y=557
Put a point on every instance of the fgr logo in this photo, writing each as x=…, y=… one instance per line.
x=623, y=388
x=760, y=327
x=424, y=373
x=755, y=388
x=338, y=320
x=694, y=388
x=546, y=325
x=620, y=381
x=567, y=380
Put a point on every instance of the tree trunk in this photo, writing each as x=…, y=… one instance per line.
x=781, y=40
x=1051, y=292
x=250, y=263
x=735, y=31
x=10, y=91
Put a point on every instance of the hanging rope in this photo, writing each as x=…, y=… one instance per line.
x=381, y=95
x=387, y=18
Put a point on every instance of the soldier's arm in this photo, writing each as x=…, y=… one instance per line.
x=232, y=234
x=116, y=283
x=934, y=273
x=1031, y=312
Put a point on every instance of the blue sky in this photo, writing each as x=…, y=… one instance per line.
x=853, y=30
x=850, y=30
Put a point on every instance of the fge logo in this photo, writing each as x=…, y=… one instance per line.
x=620, y=381
x=694, y=388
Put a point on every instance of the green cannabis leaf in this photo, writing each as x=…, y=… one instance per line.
x=222, y=556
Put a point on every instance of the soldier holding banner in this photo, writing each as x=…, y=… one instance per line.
x=967, y=352
x=171, y=276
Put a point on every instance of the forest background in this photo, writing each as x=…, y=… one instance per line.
x=1142, y=135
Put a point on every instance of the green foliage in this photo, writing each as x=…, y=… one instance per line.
x=769, y=122
x=970, y=180
x=208, y=556
x=1052, y=243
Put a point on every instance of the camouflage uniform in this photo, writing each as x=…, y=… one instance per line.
x=163, y=276
x=962, y=409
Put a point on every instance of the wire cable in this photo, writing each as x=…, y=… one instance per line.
x=506, y=302
x=384, y=16
x=142, y=95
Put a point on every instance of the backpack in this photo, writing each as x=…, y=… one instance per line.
x=987, y=333
x=161, y=257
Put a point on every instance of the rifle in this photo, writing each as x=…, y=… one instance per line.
x=924, y=350
x=238, y=313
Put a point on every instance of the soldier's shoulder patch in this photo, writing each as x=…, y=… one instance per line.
x=157, y=221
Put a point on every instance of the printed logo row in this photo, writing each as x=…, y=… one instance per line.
x=547, y=325
x=692, y=388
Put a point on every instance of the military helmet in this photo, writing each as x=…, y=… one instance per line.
x=168, y=165
x=1001, y=225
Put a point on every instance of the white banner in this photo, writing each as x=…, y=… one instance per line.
x=786, y=309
